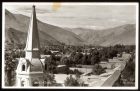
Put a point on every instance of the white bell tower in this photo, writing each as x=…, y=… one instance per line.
x=30, y=70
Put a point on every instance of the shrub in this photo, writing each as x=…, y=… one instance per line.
x=49, y=80
x=70, y=81
x=97, y=69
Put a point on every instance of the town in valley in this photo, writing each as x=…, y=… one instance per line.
x=45, y=55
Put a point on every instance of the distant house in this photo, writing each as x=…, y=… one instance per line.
x=85, y=53
x=114, y=60
x=59, y=66
x=86, y=50
x=45, y=56
x=106, y=64
x=118, y=55
x=58, y=54
x=52, y=51
x=126, y=56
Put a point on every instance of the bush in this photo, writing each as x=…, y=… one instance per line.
x=77, y=72
x=97, y=69
x=70, y=81
x=49, y=80
x=66, y=70
x=63, y=70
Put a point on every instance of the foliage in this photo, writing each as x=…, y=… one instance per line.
x=95, y=58
x=50, y=64
x=66, y=70
x=66, y=61
x=95, y=55
x=77, y=72
x=71, y=81
x=63, y=70
x=129, y=71
x=97, y=69
x=127, y=77
x=47, y=52
x=10, y=67
x=49, y=80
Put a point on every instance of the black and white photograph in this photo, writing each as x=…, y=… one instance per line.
x=69, y=45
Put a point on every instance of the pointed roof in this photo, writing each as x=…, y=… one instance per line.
x=33, y=35
x=33, y=45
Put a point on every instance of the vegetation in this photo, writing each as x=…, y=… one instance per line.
x=97, y=70
x=49, y=80
x=71, y=81
x=11, y=53
x=63, y=70
x=95, y=55
x=50, y=64
x=76, y=57
x=10, y=66
x=127, y=77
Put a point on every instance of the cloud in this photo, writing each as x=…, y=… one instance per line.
x=93, y=16
x=38, y=10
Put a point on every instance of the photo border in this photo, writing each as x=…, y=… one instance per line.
x=104, y=3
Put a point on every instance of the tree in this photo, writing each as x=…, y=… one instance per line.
x=112, y=53
x=70, y=81
x=50, y=64
x=103, y=54
x=127, y=77
x=49, y=79
x=95, y=57
x=97, y=69
x=78, y=58
x=9, y=68
x=77, y=73
x=63, y=70
x=66, y=61
x=84, y=59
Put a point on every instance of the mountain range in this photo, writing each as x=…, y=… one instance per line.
x=124, y=34
x=49, y=34
x=16, y=27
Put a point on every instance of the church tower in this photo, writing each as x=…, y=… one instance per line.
x=30, y=70
x=32, y=44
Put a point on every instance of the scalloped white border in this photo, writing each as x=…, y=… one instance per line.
x=70, y=3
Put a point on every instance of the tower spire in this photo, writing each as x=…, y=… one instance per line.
x=32, y=44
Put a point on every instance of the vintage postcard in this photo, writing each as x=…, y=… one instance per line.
x=70, y=45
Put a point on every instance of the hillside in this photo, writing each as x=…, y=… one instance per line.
x=49, y=34
x=124, y=34
x=17, y=26
x=78, y=31
x=18, y=37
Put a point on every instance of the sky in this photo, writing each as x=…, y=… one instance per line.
x=76, y=15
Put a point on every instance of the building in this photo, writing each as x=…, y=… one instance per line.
x=30, y=70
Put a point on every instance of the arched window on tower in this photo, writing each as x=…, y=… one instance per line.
x=22, y=83
x=45, y=67
x=23, y=67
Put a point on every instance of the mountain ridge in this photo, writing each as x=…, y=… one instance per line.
x=110, y=36
x=54, y=35
x=21, y=23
